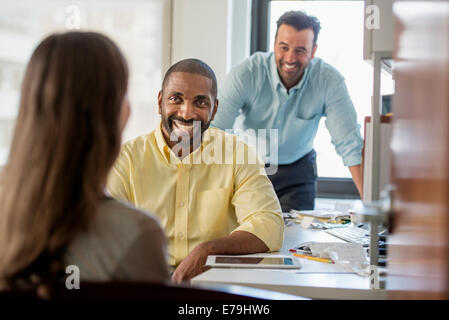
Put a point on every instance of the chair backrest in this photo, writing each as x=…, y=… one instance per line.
x=144, y=291
x=18, y=295
x=141, y=291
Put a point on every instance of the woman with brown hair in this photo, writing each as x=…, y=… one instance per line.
x=53, y=208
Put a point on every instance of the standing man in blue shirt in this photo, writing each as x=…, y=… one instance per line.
x=290, y=90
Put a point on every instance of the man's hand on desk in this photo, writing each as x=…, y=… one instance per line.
x=238, y=242
x=192, y=265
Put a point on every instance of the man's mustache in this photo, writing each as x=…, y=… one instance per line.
x=177, y=118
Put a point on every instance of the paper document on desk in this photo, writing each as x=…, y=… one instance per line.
x=307, y=222
x=328, y=214
x=351, y=252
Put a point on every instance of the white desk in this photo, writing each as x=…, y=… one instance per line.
x=314, y=280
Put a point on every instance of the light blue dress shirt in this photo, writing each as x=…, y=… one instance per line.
x=253, y=97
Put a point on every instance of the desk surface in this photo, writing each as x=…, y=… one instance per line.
x=314, y=279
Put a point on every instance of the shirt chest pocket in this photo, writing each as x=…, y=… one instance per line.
x=212, y=208
x=308, y=108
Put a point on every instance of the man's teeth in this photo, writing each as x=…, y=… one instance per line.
x=290, y=66
x=183, y=125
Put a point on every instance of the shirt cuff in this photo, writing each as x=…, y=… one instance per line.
x=354, y=160
x=267, y=226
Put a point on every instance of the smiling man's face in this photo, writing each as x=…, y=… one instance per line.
x=293, y=51
x=187, y=106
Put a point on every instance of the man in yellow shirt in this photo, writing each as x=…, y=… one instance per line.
x=208, y=188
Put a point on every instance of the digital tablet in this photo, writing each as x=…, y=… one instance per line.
x=268, y=262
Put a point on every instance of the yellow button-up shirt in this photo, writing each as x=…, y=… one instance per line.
x=219, y=188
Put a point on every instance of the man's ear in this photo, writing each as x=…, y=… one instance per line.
x=215, y=110
x=314, y=50
x=159, y=102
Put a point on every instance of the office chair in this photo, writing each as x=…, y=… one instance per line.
x=145, y=291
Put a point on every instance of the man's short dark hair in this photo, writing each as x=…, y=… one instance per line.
x=195, y=66
x=300, y=21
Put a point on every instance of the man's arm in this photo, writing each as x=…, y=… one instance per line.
x=232, y=96
x=238, y=242
x=118, y=185
x=342, y=124
x=356, y=172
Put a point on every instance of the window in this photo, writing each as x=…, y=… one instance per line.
x=137, y=26
x=340, y=43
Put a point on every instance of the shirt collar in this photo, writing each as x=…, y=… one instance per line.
x=161, y=144
x=170, y=157
x=277, y=80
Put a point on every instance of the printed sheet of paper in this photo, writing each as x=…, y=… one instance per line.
x=306, y=222
x=320, y=213
x=352, y=252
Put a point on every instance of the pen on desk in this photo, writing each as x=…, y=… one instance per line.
x=300, y=251
x=313, y=258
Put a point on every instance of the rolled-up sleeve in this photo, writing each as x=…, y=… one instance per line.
x=256, y=204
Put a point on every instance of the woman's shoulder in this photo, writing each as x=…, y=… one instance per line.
x=116, y=234
x=125, y=215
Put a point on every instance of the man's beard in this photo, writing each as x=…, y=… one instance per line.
x=299, y=68
x=199, y=127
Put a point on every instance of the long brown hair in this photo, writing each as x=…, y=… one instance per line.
x=66, y=139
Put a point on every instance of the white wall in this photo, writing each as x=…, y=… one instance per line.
x=215, y=31
x=240, y=32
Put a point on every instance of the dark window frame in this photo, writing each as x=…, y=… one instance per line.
x=327, y=187
x=260, y=12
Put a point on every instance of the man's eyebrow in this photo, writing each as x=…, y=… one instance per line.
x=202, y=97
x=286, y=44
x=175, y=93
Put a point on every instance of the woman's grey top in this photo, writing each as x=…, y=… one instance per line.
x=120, y=244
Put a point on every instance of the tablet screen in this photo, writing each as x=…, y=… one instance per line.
x=255, y=260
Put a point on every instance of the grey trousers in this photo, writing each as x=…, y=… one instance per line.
x=295, y=183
